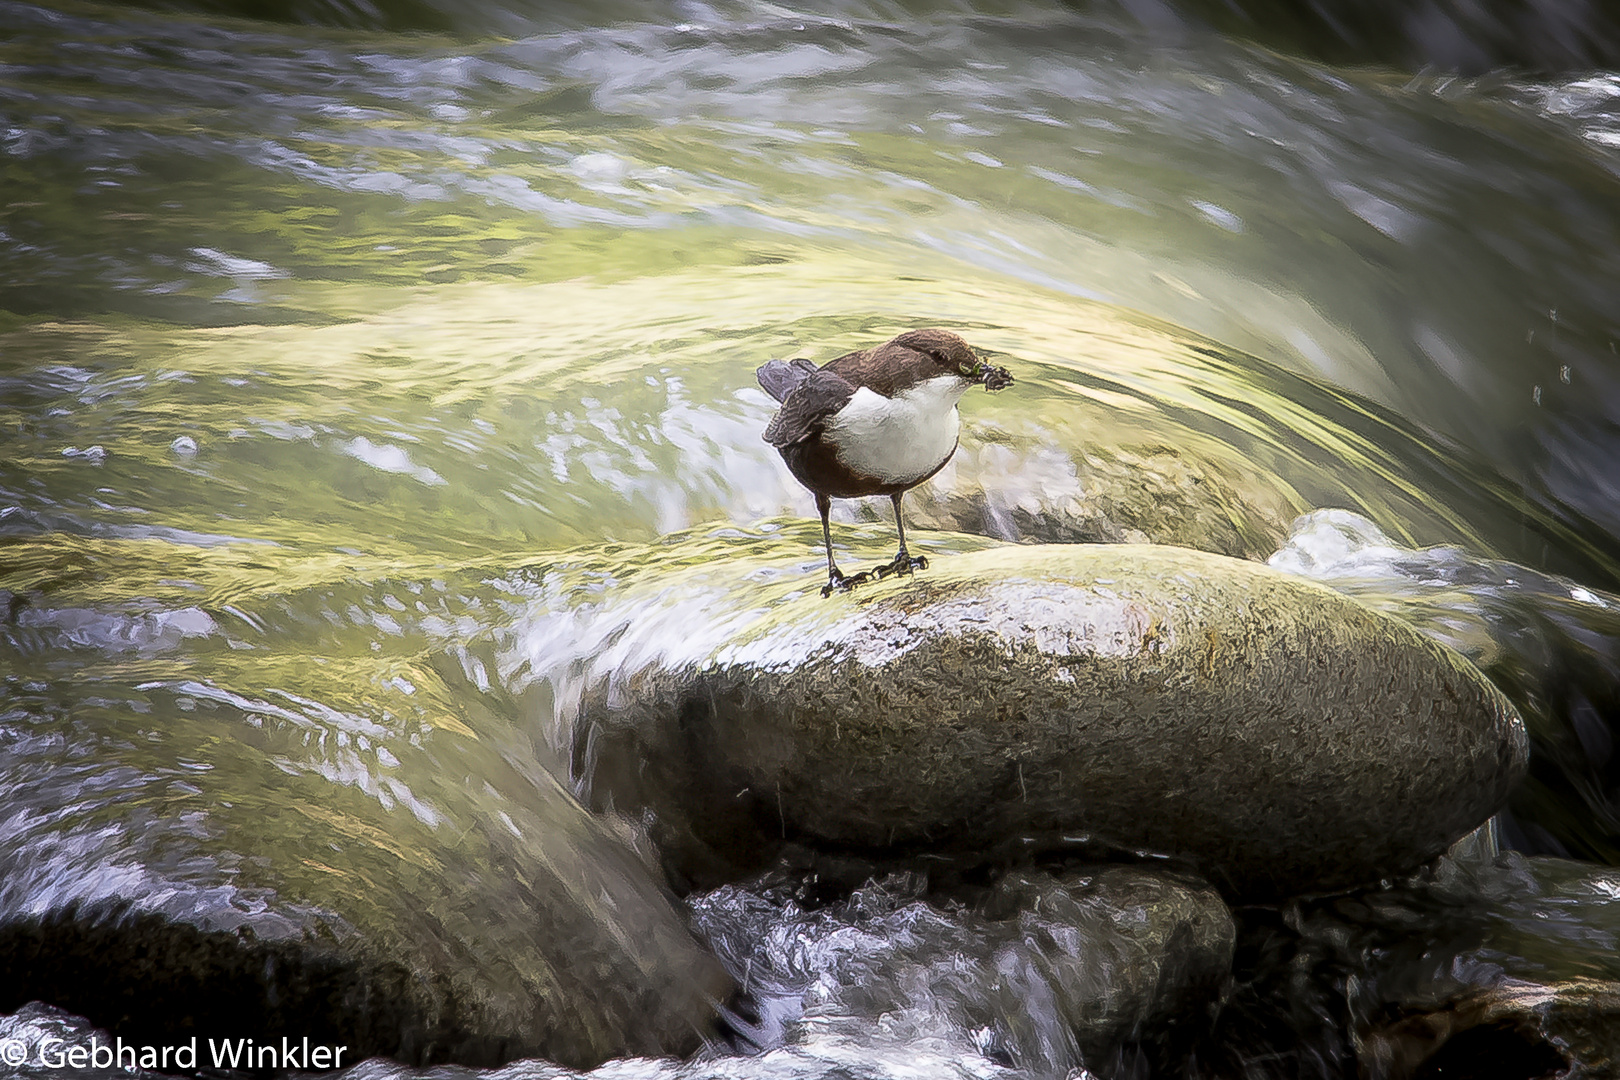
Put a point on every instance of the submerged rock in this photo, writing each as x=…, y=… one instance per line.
x=1270, y=732
x=1106, y=968
x=1139, y=956
x=1512, y=1031
x=1478, y=966
x=1024, y=485
x=267, y=868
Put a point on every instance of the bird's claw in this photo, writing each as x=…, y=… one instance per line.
x=902, y=564
x=845, y=583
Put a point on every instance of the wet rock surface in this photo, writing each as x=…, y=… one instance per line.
x=1142, y=954
x=1271, y=733
x=1033, y=486
x=1130, y=962
x=1548, y=642
x=148, y=885
x=1501, y=966
x=1515, y=1030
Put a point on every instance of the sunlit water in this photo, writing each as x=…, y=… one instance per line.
x=344, y=371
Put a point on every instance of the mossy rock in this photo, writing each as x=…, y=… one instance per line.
x=1277, y=736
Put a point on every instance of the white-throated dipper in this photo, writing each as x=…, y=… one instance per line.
x=875, y=422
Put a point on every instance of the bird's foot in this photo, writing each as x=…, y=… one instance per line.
x=902, y=564
x=845, y=582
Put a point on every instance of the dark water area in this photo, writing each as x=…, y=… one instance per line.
x=354, y=354
x=1541, y=35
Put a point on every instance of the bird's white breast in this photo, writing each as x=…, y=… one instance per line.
x=900, y=439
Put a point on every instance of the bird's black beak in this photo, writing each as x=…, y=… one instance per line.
x=992, y=378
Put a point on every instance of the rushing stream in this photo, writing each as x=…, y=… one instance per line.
x=349, y=362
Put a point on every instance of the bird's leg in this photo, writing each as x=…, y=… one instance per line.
x=904, y=561
x=835, y=577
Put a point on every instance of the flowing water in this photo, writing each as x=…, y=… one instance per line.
x=345, y=360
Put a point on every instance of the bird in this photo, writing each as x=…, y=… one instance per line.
x=875, y=422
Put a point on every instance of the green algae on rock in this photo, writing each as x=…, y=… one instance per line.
x=1274, y=734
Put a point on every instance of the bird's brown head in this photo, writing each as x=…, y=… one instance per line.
x=956, y=357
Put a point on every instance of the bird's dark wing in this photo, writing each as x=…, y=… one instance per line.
x=819, y=396
x=781, y=377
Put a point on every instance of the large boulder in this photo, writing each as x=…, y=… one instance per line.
x=1546, y=640
x=184, y=861
x=1274, y=734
